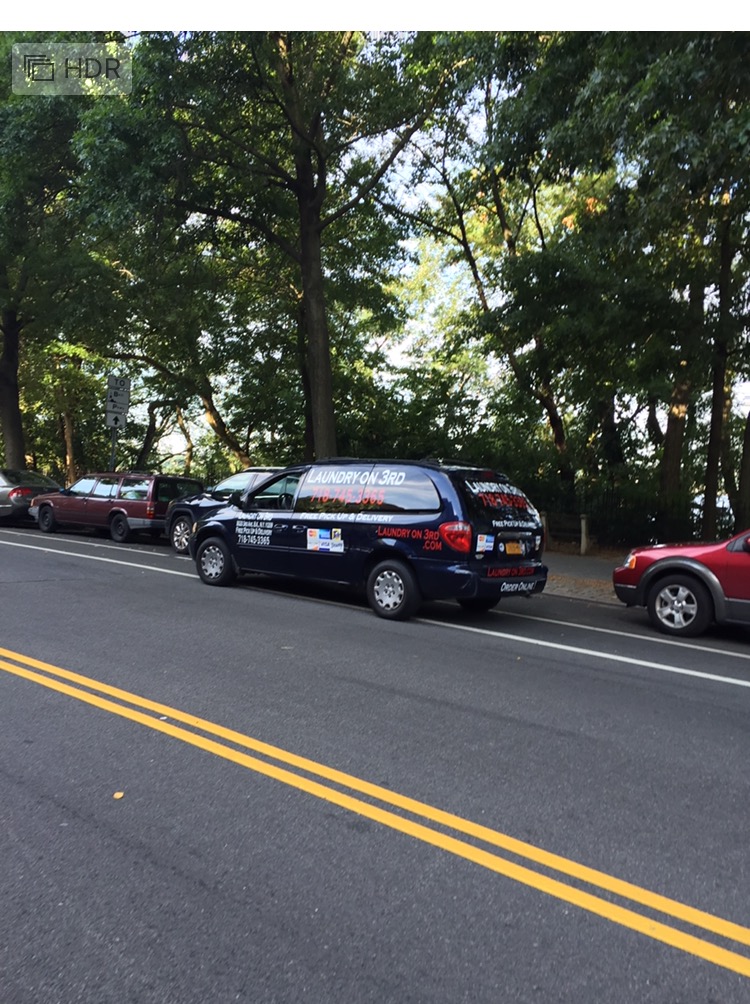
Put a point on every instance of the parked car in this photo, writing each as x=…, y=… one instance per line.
x=17, y=488
x=402, y=531
x=182, y=513
x=120, y=503
x=686, y=587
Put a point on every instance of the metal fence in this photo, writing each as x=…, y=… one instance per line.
x=625, y=518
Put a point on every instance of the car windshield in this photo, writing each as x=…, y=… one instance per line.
x=236, y=482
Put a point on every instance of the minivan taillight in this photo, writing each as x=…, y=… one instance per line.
x=150, y=508
x=457, y=536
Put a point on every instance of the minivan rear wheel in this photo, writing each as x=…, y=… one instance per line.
x=214, y=562
x=392, y=590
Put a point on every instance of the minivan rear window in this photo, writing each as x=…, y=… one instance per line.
x=491, y=497
x=367, y=488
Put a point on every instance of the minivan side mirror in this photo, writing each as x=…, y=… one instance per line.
x=235, y=498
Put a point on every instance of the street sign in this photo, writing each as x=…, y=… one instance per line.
x=118, y=400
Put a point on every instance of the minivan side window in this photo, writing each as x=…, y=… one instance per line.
x=279, y=494
x=378, y=488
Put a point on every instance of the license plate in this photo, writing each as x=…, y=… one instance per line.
x=513, y=547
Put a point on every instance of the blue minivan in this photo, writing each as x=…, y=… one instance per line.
x=402, y=531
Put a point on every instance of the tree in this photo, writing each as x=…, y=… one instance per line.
x=36, y=248
x=281, y=136
x=645, y=133
x=52, y=284
x=673, y=110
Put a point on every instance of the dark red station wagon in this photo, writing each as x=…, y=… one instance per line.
x=686, y=587
x=120, y=503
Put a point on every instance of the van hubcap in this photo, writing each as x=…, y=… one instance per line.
x=389, y=590
x=212, y=562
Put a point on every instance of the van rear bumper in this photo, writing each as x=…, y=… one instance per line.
x=441, y=581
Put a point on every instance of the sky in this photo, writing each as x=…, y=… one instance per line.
x=385, y=15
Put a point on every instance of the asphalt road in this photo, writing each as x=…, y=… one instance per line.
x=268, y=794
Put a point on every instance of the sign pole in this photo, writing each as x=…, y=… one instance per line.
x=114, y=449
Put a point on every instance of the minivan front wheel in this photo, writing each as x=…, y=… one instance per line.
x=392, y=590
x=214, y=562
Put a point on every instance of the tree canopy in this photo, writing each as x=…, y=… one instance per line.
x=523, y=249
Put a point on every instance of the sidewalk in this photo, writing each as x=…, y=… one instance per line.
x=583, y=577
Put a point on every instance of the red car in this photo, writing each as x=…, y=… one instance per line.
x=687, y=587
x=118, y=503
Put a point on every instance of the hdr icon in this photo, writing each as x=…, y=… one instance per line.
x=90, y=68
x=94, y=69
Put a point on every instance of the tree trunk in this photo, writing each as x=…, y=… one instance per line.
x=718, y=389
x=674, y=517
x=546, y=398
x=612, y=454
x=306, y=392
x=141, y=461
x=310, y=189
x=670, y=469
x=742, y=512
x=223, y=434
x=318, y=342
x=68, y=429
x=10, y=408
x=184, y=428
x=654, y=430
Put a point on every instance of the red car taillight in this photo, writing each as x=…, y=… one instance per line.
x=457, y=536
x=150, y=508
x=17, y=493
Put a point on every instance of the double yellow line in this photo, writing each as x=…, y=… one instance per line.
x=198, y=732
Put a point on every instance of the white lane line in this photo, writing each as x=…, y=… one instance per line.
x=656, y=639
x=94, y=543
x=96, y=557
x=593, y=653
x=537, y=642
